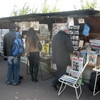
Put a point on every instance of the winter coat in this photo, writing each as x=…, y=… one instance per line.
x=8, y=42
x=61, y=49
x=31, y=48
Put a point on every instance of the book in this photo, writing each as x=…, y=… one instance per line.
x=81, y=42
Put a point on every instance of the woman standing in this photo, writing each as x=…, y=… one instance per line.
x=32, y=50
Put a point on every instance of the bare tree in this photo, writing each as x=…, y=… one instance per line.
x=14, y=11
x=24, y=10
x=88, y=5
x=45, y=8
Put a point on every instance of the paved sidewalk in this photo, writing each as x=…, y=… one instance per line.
x=41, y=90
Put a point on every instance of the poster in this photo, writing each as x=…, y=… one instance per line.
x=70, y=21
x=81, y=21
x=45, y=48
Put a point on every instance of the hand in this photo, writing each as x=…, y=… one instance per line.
x=5, y=57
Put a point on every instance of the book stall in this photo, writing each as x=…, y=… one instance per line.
x=84, y=32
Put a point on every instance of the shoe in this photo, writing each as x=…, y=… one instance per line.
x=35, y=80
x=15, y=84
x=55, y=87
x=32, y=79
x=20, y=77
x=8, y=83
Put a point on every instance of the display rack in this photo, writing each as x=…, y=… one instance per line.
x=2, y=33
x=74, y=35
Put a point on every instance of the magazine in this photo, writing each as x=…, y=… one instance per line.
x=92, y=58
x=54, y=66
x=77, y=63
x=76, y=66
x=45, y=48
x=44, y=31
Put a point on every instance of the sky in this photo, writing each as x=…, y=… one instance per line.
x=6, y=6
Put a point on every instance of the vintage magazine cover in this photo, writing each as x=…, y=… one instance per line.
x=77, y=63
x=92, y=58
x=44, y=31
x=45, y=48
x=76, y=66
x=54, y=66
x=70, y=21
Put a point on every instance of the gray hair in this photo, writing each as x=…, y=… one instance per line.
x=64, y=27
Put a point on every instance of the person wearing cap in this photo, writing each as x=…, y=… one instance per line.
x=61, y=49
x=12, y=62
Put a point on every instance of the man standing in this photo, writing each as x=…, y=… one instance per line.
x=13, y=62
x=61, y=49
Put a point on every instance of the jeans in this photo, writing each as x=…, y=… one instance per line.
x=13, y=69
x=18, y=66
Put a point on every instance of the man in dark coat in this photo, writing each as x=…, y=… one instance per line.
x=61, y=49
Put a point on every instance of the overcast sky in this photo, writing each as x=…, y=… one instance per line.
x=6, y=6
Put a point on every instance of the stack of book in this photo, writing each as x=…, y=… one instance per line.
x=95, y=43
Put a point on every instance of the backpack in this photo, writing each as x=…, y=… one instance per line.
x=17, y=47
x=92, y=82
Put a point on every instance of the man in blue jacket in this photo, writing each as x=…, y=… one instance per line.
x=61, y=49
x=13, y=62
